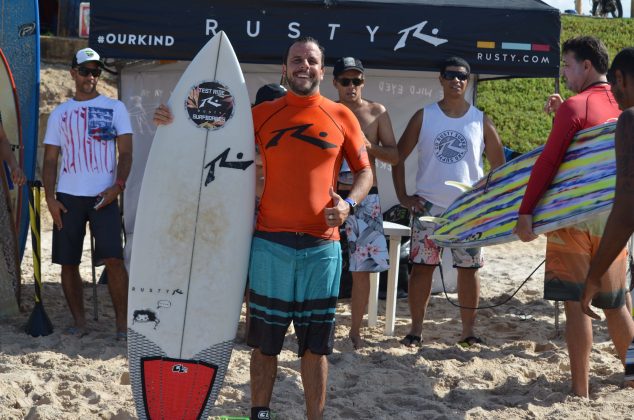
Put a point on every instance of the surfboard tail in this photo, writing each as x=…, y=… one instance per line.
x=176, y=388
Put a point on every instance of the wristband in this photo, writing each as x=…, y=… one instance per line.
x=351, y=202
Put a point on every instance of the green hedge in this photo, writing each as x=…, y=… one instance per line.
x=516, y=105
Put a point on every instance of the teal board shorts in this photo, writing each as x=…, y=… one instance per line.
x=293, y=285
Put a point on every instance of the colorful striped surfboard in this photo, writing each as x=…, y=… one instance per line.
x=583, y=187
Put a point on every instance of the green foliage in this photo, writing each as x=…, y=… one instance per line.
x=516, y=105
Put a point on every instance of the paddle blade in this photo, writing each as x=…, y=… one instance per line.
x=39, y=324
x=462, y=187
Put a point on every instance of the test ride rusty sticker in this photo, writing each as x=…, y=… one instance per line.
x=210, y=105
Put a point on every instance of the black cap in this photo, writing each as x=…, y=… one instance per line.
x=269, y=92
x=347, y=63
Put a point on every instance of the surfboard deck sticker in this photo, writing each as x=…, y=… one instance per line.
x=9, y=265
x=192, y=240
x=10, y=118
x=582, y=188
x=20, y=42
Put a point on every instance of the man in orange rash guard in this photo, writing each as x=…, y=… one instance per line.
x=569, y=250
x=295, y=262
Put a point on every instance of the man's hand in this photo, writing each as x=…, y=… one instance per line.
x=17, y=176
x=524, y=228
x=552, y=103
x=413, y=203
x=335, y=216
x=163, y=115
x=593, y=286
x=109, y=195
x=56, y=209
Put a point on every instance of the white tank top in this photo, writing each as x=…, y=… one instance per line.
x=449, y=149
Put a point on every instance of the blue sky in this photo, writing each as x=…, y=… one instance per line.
x=586, y=4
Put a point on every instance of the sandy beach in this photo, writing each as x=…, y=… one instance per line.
x=521, y=372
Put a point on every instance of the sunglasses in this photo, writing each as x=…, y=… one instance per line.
x=450, y=75
x=85, y=71
x=345, y=82
x=611, y=78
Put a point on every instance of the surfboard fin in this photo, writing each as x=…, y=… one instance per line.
x=462, y=187
x=432, y=219
x=443, y=238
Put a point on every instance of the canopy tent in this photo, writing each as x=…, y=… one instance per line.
x=498, y=37
x=401, y=44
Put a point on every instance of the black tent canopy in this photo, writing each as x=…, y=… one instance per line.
x=517, y=38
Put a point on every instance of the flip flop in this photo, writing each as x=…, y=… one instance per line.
x=470, y=341
x=76, y=332
x=412, y=341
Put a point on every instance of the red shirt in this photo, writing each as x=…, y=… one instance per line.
x=302, y=141
x=593, y=106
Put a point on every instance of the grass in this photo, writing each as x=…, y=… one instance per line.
x=515, y=105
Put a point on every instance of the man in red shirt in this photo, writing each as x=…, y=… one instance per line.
x=569, y=250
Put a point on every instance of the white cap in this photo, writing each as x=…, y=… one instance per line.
x=85, y=55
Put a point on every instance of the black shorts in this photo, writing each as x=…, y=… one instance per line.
x=105, y=225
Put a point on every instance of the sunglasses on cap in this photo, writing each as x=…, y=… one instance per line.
x=451, y=74
x=345, y=82
x=85, y=71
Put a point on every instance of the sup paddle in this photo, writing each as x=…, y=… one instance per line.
x=39, y=324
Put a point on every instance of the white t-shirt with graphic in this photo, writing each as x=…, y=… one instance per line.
x=86, y=132
x=449, y=149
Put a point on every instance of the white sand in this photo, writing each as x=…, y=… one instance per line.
x=521, y=372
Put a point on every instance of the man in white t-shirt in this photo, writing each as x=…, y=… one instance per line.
x=88, y=131
x=451, y=136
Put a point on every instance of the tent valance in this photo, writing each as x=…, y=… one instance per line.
x=517, y=38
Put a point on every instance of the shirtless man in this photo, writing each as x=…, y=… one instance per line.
x=366, y=241
x=620, y=224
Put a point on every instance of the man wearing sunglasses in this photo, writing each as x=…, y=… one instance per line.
x=569, y=250
x=451, y=136
x=367, y=247
x=89, y=132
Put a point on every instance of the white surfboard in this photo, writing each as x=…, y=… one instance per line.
x=192, y=240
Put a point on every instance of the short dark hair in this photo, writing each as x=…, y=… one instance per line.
x=589, y=48
x=305, y=40
x=624, y=61
x=454, y=62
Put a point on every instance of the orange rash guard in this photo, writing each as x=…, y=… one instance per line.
x=302, y=141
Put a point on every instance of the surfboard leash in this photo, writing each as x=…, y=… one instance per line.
x=442, y=279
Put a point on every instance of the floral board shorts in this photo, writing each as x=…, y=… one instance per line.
x=425, y=251
x=568, y=255
x=366, y=241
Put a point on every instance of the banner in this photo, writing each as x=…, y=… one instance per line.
x=496, y=37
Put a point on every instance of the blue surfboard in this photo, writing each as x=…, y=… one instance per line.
x=20, y=41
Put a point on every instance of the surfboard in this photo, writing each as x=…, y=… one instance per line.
x=192, y=240
x=10, y=116
x=20, y=42
x=9, y=265
x=582, y=188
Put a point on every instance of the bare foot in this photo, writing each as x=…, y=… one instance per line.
x=357, y=341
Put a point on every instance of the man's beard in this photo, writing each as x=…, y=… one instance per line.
x=302, y=89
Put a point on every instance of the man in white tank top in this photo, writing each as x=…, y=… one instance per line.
x=451, y=136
